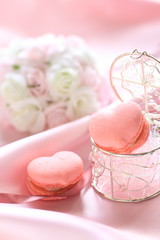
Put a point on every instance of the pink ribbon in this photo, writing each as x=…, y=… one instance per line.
x=19, y=198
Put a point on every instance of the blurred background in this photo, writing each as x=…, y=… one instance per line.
x=111, y=27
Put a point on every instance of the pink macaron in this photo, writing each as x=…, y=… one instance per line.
x=54, y=175
x=121, y=129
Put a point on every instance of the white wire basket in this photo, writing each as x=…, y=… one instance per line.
x=132, y=177
x=128, y=177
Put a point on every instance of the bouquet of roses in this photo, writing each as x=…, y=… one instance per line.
x=48, y=81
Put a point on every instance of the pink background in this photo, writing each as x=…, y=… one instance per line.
x=85, y=17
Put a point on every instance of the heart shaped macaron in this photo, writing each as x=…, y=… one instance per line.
x=121, y=129
x=53, y=175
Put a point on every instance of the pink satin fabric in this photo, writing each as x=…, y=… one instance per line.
x=19, y=223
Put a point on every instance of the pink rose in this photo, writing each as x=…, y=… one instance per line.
x=90, y=77
x=44, y=53
x=75, y=42
x=35, y=54
x=36, y=81
x=56, y=115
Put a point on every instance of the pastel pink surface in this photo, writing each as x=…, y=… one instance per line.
x=37, y=224
x=117, y=129
x=58, y=171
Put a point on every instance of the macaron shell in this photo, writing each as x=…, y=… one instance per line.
x=58, y=171
x=36, y=190
x=142, y=137
x=116, y=129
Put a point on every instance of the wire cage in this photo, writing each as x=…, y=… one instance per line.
x=132, y=177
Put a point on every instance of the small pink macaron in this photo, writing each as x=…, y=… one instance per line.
x=54, y=175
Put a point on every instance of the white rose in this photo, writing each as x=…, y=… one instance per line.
x=62, y=82
x=61, y=43
x=63, y=61
x=82, y=102
x=45, y=39
x=15, y=46
x=83, y=56
x=14, y=87
x=78, y=49
x=26, y=116
x=48, y=43
x=74, y=41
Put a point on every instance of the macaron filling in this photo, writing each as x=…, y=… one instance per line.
x=47, y=191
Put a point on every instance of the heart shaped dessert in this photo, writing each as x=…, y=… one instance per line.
x=53, y=175
x=121, y=129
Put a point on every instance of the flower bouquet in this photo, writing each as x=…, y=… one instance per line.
x=48, y=81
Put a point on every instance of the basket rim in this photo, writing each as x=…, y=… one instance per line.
x=124, y=155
